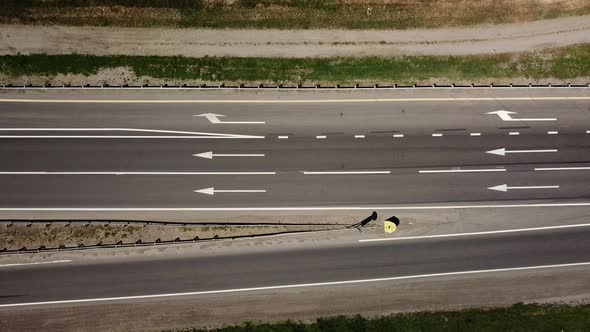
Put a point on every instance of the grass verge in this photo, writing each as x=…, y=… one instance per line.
x=285, y=14
x=520, y=317
x=561, y=64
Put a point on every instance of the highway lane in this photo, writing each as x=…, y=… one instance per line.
x=116, y=277
x=398, y=146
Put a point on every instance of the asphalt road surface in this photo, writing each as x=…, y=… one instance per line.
x=311, y=150
x=212, y=152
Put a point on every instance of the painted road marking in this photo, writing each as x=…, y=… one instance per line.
x=419, y=237
x=291, y=286
x=281, y=101
x=475, y=134
x=398, y=135
x=503, y=151
x=210, y=155
x=121, y=137
x=283, y=137
x=214, y=118
x=514, y=133
x=506, y=116
x=213, y=191
x=437, y=135
x=177, y=133
x=321, y=137
x=36, y=263
x=344, y=172
x=359, y=136
x=462, y=170
x=298, y=208
x=505, y=188
x=552, y=132
x=137, y=173
x=562, y=168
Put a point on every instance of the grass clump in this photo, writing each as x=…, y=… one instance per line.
x=285, y=14
x=519, y=317
x=566, y=63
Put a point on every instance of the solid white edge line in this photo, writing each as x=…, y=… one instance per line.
x=345, y=172
x=36, y=263
x=279, y=101
x=131, y=136
x=306, y=208
x=516, y=230
x=137, y=173
x=291, y=286
x=461, y=170
x=561, y=168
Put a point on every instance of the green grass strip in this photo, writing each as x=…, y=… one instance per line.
x=525, y=318
x=562, y=64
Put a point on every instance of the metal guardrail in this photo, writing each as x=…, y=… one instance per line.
x=143, y=223
x=139, y=243
x=290, y=87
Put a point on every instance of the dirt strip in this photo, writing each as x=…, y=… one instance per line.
x=485, y=39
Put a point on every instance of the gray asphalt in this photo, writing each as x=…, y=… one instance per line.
x=156, y=275
x=340, y=151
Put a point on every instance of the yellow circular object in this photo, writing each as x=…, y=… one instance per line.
x=389, y=226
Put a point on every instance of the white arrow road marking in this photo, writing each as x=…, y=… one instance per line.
x=210, y=155
x=213, y=191
x=505, y=187
x=503, y=151
x=213, y=118
x=177, y=133
x=505, y=116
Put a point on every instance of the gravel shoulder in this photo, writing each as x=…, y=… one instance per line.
x=484, y=39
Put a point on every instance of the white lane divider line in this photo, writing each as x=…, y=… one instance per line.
x=461, y=170
x=587, y=131
x=505, y=187
x=137, y=173
x=321, y=137
x=292, y=286
x=125, y=137
x=475, y=134
x=552, y=132
x=36, y=263
x=214, y=118
x=210, y=155
x=302, y=208
x=176, y=133
x=359, y=136
x=503, y=151
x=514, y=133
x=284, y=101
x=345, y=172
x=437, y=135
x=506, y=116
x=502, y=231
x=584, y=168
x=283, y=137
x=213, y=191
x=398, y=135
